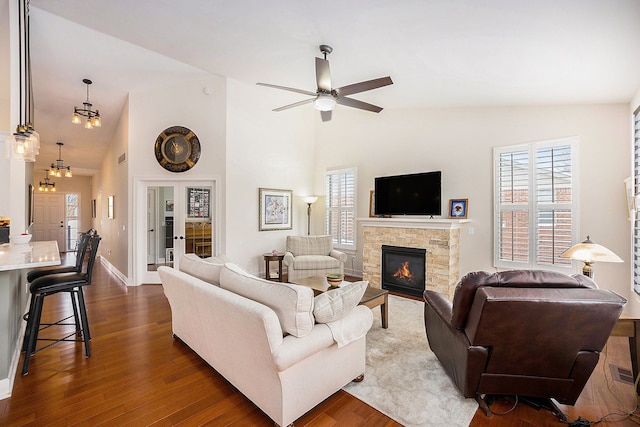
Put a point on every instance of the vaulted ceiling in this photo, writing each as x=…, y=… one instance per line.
x=440, y=53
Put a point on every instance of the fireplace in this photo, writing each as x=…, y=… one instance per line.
x=403, y=270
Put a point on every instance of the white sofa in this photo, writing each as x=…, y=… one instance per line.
x=263, y=336
x=312, y=256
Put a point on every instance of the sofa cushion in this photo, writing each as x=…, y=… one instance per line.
x=292, y=303
x=309, y=245
x=207, y=269
x=314, y=262
x=335, y=304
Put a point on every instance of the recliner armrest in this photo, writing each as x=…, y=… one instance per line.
x=440, y=304
x=340, y=256
x=288, y=259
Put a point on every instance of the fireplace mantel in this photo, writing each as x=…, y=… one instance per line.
x=438, y=224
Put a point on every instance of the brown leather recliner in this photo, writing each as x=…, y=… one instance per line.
x=533, y=334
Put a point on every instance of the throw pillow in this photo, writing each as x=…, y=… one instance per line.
x=336, y=303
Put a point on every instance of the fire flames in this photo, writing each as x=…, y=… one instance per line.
x=403, y=272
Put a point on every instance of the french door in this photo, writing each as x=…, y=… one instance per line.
x=172, y=219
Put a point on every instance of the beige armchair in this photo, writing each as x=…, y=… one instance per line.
x=312, y=256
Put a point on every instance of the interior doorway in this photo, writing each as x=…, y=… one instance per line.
x=173, y=218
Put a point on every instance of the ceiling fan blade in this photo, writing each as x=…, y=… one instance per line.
x=364, y=86
x=295, y=104
x=323, y=75
x=350, y=102
x=290, y=89
x=325, y=115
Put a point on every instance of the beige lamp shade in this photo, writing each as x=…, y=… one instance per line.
x=590, y=252
x=310, y=199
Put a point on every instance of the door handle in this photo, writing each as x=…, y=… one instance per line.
x=176, y=237
x=152, y=230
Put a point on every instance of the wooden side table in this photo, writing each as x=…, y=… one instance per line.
x=271, y=257
x=628, y=326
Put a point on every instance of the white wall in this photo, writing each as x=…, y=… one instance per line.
x=459, y=142
x=185, y=104
x=269, y=150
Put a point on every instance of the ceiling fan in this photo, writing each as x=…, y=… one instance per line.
x=325, y=97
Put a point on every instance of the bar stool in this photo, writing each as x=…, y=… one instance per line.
x=81, y=251
x=51, y=284
x=83, y=244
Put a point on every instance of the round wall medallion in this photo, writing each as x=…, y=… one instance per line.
x=177, y=149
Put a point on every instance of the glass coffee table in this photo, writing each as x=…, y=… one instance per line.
x=373, y=297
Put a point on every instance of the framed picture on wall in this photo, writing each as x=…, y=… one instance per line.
x=198, y=202
x=275, y=209
x=94, y=210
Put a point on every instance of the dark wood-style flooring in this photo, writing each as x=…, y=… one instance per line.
x=139, y=375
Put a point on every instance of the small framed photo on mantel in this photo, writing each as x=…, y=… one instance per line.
x=458, y=208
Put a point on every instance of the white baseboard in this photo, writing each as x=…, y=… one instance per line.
x=113, y=270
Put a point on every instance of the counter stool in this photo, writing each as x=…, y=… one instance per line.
x=51, y=284
x=81, y=251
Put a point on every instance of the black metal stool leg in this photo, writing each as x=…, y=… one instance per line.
x=86, y=335
x=76, y=319
x=29, y=319
x=33, y=334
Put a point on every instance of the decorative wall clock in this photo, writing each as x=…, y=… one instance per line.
x=177, y=149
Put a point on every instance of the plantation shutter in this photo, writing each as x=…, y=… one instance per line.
x=636, y=192
x=535, y=204
x=513, y=193
x=341, y=207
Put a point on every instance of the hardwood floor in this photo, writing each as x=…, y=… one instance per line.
x=139, y=375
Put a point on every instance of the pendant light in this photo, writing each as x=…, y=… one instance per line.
x=59, y=167
x=92, y=117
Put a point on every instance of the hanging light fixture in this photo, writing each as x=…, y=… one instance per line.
x=93, y=117
x=44, y=186
x=58, y=168
x=24, y=144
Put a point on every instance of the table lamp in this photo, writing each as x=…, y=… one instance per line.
x=309, y=200
x=590, y=252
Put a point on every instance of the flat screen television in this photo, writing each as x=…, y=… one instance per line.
x=413, y=194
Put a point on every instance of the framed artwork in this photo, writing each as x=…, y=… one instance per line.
x=458, y=208
x=275, y=209
x=198, y=202
x=94, y=211
x=110, y=212
x=168, y=205
x=30, y=208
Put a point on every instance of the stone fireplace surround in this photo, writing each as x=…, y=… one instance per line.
x=440, y=237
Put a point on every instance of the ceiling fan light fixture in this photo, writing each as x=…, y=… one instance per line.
x=324, y=102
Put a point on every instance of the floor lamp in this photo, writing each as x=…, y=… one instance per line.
x=590, y=252
x=309, y=200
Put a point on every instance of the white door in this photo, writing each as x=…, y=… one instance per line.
x=49, y=218
x=182, y=217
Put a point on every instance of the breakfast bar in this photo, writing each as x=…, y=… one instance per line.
x=15, y=261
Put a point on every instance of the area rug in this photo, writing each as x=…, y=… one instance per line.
x=403, y=378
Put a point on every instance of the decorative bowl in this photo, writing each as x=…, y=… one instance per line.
x=20, y=239
x=334, y=279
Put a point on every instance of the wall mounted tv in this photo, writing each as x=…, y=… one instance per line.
x=413, y=194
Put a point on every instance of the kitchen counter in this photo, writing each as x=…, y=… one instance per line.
x=28, y=255
x=15, y=262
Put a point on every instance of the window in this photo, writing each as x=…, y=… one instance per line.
x=340, y=221
x=636, y=192
x=72, y=202
x=535, y=194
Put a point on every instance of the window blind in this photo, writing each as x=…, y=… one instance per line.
x=341, y=207
x=636, y=192
x=535, y=204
